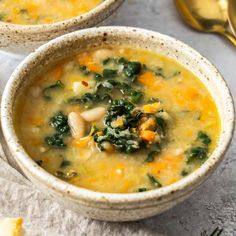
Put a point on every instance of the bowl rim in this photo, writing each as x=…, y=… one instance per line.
x=87, y=195
x=64, y=24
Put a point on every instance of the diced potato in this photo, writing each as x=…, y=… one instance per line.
x=82, y=87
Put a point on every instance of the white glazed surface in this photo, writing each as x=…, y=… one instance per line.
x=117, y=207
x=22, y=39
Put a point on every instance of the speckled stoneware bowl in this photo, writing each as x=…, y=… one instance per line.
x=104, y=206
x=23, y=39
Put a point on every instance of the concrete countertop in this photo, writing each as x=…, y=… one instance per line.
x=214, y=203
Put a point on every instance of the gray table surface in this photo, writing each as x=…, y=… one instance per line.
x=214, y=204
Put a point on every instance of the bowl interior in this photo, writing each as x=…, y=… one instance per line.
x=70, y=44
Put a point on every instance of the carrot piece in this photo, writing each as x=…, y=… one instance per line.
x=94, y=68
x=190, y=93
x=148, y=124
x=85, y=59
x=57, y=72
x=148, y=135
x=32, y=8
x=152, y=108
x=147, y=78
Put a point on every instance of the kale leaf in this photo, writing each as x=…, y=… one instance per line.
x=205, y=139
x=199, y=152
x=154, y=181
x=60, y=123
x=104, y=92
x=55, y=141
x=125, y=136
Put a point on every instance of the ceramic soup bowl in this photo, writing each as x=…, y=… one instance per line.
x=23, y=39
x=105, y=206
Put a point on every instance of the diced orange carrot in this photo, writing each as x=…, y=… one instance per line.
x=57, y=72
x=148, y=124
x=32, y=8
x=157, y=167
x=152, y=108
x=148, y=135
x=85, y=59
x=190, y=93
x=94, y=68
x=147, y=78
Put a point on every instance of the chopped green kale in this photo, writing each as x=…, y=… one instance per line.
x=104, y=92
x=154, y=181
x=160, y=72
x=142, y=189
x=55, y=141
x=109, y=73
x=205, y=139
x=184, y=172
x=152, y=154
x=199, y=153
x=60, y=123
x=132, y=69
x=124, y=137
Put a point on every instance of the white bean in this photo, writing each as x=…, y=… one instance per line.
x=76, y=124
x=93, y=114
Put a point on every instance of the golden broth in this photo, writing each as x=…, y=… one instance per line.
x=182, y=102
x=43, y=11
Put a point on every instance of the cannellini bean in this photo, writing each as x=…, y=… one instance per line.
x=93, y=114
x=77, y=125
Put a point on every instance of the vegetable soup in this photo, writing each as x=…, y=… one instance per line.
x=43, y=11
x=118, y=119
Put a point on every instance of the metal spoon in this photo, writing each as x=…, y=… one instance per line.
x=232, y=15
x=207, y=16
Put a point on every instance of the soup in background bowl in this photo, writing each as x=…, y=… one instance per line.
x=44, y=11
x=117, y=123
x=26, y=25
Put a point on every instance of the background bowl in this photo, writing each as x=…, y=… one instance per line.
x=23, y=39
x=105, y=206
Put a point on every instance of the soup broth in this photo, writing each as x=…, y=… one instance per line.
x=43, y=11
x=118, y=119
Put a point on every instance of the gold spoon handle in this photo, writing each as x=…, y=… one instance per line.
x=230, y=37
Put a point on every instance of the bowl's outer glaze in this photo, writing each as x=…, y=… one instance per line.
x=23, y=39
x=104, y=206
